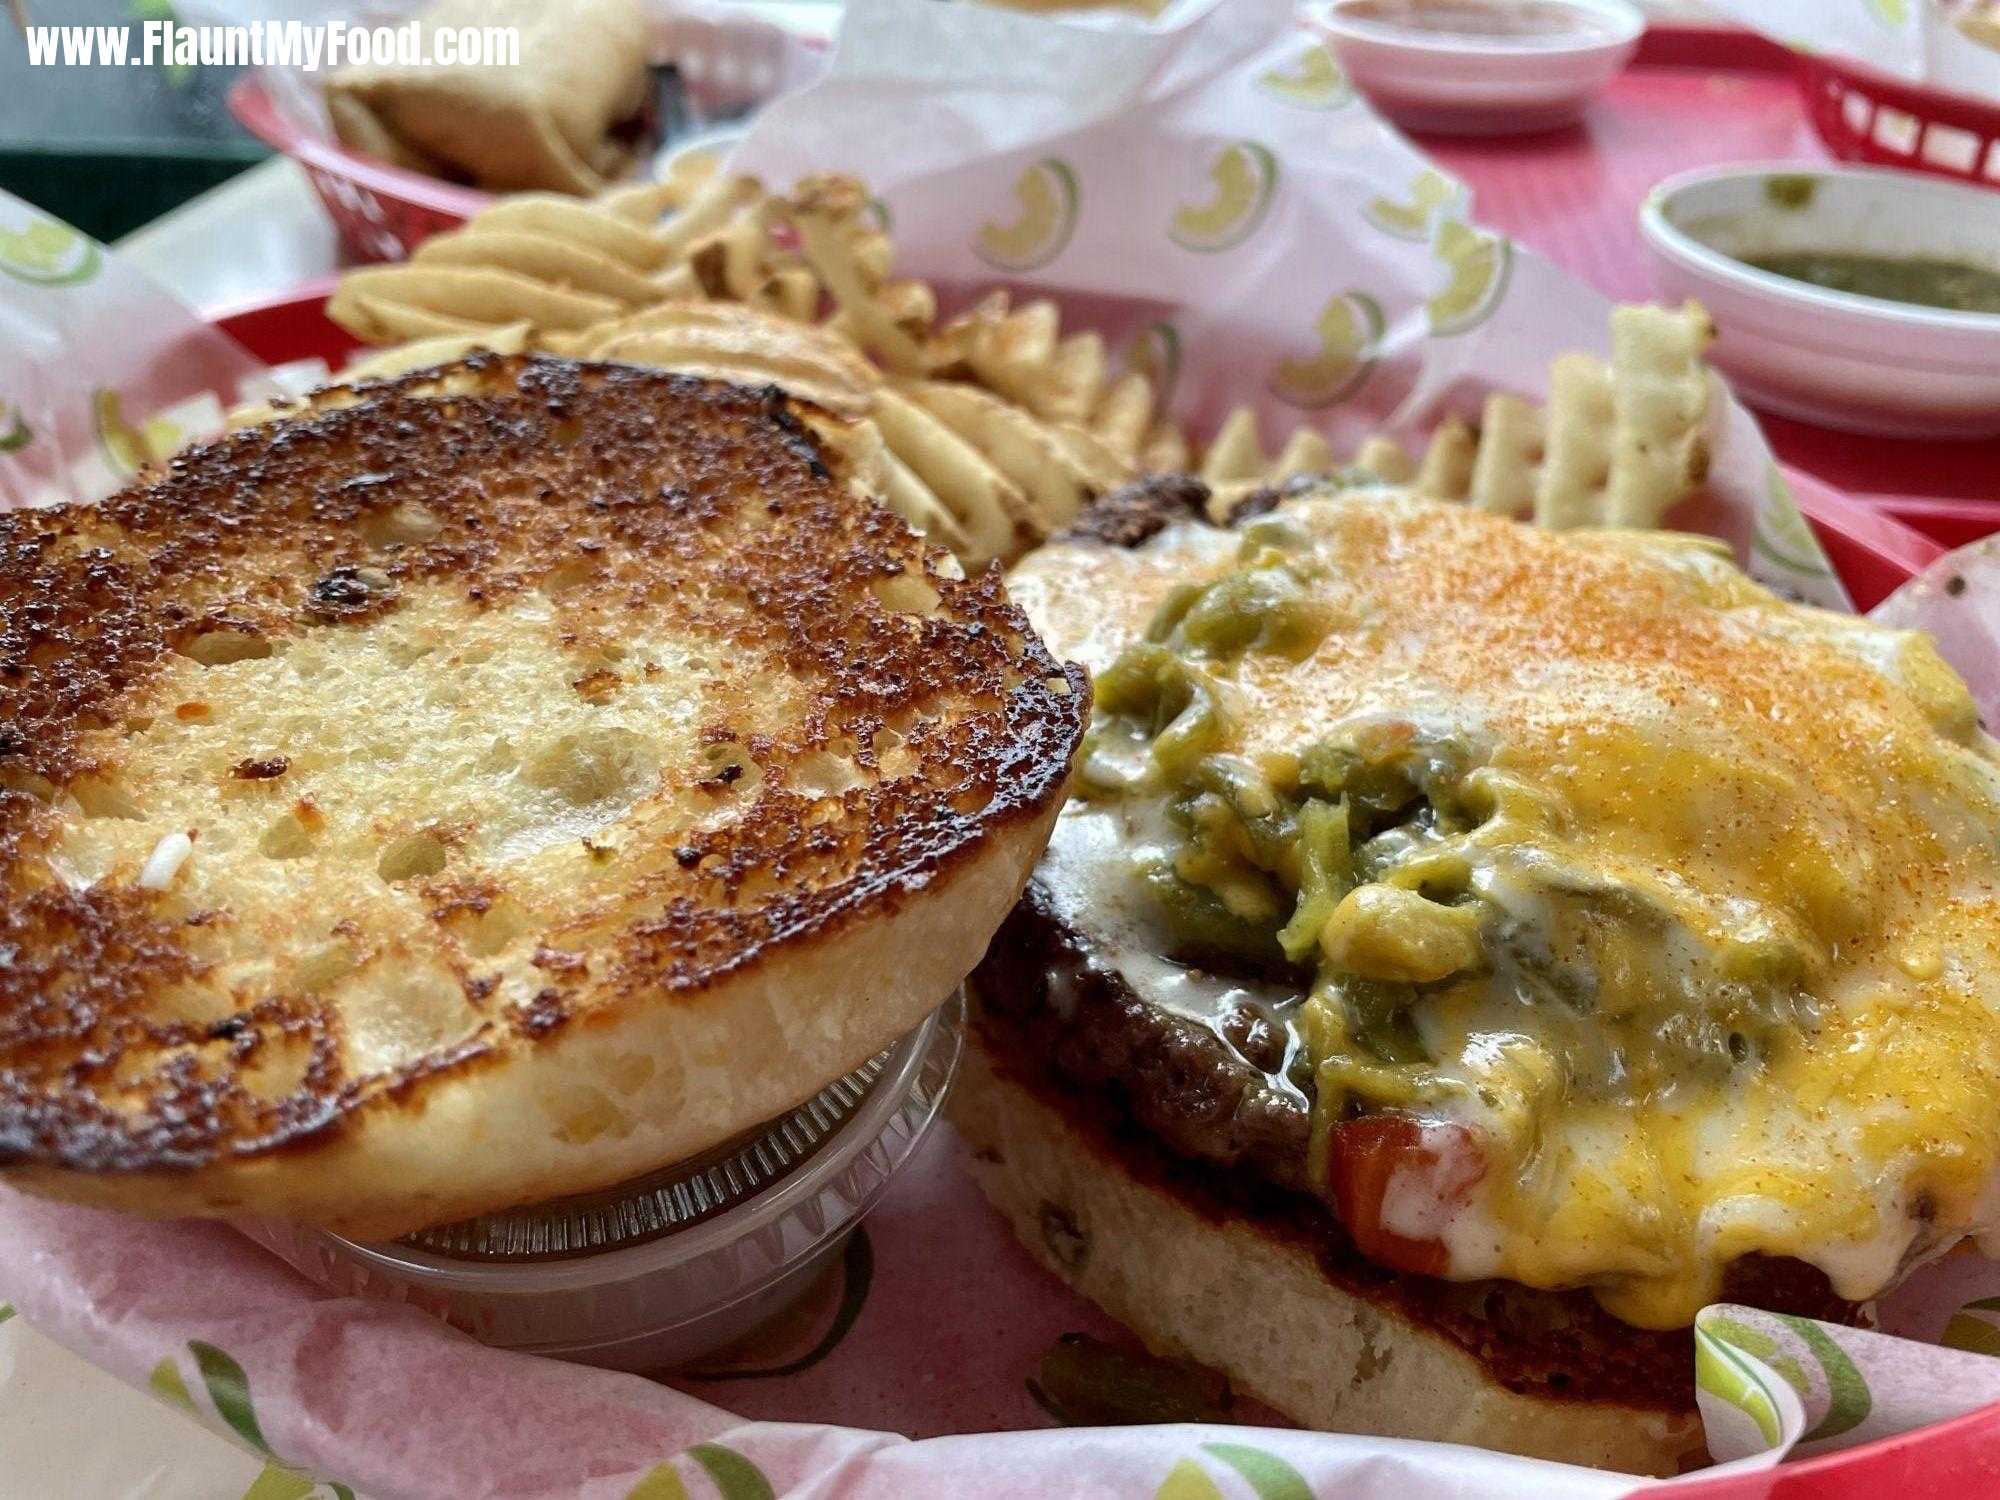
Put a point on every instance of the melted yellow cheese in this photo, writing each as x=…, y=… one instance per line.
x=1756, y=841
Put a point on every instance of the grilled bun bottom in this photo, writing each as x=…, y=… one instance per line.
x=1250, y=1293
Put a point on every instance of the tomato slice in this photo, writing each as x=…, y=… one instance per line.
x=1430, y=1168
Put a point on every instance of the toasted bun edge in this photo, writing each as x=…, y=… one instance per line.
x=763, y=1041
x=1258, y=1308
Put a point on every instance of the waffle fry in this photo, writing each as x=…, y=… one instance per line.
x=642, y=203
x=991, y=430
x=558, y=264
x=571, y=221
x=1578, y=462
x=822, y=210
x=998, y=426
x=874, y=255
x=1165, y=451
x=1512, y=443
x=881, y=471
x=1385, y=457
x=1058, y=468
x=1122, y=412
x=1446, y=470
x=1306, y=453
x=1021, y=402
x=572, y=264
x=1237, y=454
x=1091, y=457
x=1618, y=444
x=712, y=206
x=910, y=305
x=1013, y=442
x=735, y=265
x=1010, y=350
x=1075, y=377
x=419, y=354
x=988, y=508
x=724, y=342
x=1008, y=474
x=390, y=320
x=1659, y=407
x=1235, y=467
x=386, y=304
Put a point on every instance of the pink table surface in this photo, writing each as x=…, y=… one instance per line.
x=1693, y=98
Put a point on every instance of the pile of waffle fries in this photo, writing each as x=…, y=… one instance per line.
x=989, y=430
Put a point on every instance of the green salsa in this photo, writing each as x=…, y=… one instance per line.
x=1918, y=280
x=1347, y=865
x=1791, y=190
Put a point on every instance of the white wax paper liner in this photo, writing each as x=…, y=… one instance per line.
x=1348, y=292
x=1910, y=39
x=1955, y=600
x=964, y=116
x=318, y=1386
x=99, y=366
x=385, y=1403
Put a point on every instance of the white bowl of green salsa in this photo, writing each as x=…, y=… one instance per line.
x=1851, y=297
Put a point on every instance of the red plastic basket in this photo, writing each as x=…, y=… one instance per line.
x=1867, y=116
x=381, y=212
x=1954, y=523
x=1954, y=1460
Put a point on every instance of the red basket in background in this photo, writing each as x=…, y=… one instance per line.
x=381, y=212
x=726, y=64
x=1867, y=116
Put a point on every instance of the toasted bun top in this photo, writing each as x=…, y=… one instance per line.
x=361, y=758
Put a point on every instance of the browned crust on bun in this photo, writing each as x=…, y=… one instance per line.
x=593, y=505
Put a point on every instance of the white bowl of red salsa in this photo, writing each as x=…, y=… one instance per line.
x=1480, y=67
